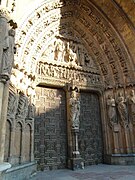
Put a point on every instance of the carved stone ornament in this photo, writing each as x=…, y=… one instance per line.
x=67, y=53
x=48, y=71
x=4, y=13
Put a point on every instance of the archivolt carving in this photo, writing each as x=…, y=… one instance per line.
x=93, y=28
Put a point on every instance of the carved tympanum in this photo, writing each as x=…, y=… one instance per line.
x=68, y=52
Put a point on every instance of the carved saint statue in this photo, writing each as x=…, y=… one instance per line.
x=74, y=109
x=111, y=106
x=131, y=105
x=122, y=109
x=31, y=111
x=12, y=105
x=22, y=110
x=69, y=55
x=58, y=52
x=8, y=53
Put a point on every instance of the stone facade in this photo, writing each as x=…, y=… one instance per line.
x=67, y=83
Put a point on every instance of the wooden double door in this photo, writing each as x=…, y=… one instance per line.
x=51, y=136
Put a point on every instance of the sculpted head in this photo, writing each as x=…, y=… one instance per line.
x=132, y=93
x=11, y=32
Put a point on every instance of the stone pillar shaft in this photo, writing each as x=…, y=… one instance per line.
x=22, y=155
x=4, y=93
x=32, y=145
x=12, y=150
x=75, y=143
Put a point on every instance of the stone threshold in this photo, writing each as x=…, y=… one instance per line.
x=21, y=166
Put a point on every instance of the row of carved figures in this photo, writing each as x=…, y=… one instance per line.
x=121, y=109
x=20, y=107
x=68, y=52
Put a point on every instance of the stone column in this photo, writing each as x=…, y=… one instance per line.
x=12, y=150
x=22, y=155
x=127, y=138
x=116, y=140
x=75, y=132
x=132, y=137
x=6, y=61
x=3, y=113
x=32, y=143
x=73, y=127
x=70, y=143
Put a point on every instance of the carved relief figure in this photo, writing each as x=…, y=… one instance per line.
x=58, y=52
x=122, y=109
x=74, y=109
x=31, y=111
x=22, y=110
x=69, y=55
x=111, y=107
x=8, y=53
x=12, y=105
x=131, y=105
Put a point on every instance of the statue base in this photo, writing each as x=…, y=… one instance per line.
x=77, y=163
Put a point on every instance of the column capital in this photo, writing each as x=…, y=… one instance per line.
x=4, y=78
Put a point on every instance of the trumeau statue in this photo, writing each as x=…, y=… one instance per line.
x=74, y=103
x=122, y=109
x=111, y=107
x=131, y=105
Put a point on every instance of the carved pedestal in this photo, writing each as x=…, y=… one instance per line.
x=76, y=160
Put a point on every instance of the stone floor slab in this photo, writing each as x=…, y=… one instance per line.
x=95, y=172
